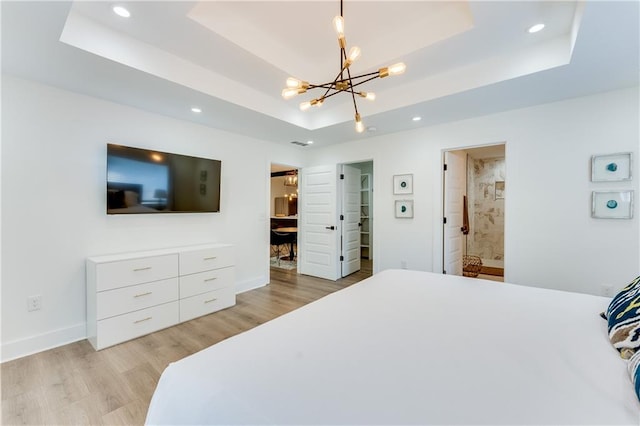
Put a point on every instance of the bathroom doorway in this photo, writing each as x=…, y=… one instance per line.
x=474, y=190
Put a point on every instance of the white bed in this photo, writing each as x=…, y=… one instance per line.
x=407, y=347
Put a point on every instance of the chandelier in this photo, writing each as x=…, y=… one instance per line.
x=344, y=82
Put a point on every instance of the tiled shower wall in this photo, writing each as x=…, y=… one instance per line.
x=486, y=210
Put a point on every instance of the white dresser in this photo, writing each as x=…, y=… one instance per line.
x=133, y=294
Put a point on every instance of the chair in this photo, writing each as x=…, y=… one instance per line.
x=279, y=239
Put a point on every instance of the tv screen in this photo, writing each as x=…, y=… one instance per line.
x=145, y=181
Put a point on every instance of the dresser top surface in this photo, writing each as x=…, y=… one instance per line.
x=116, y=257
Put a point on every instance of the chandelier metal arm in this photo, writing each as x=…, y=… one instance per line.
x=330, y=84
x=364, y=81
x=353, y=95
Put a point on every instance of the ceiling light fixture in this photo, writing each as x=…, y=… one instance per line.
x=196, y=110
x=417, y=118
x=121, y=11
x=344, y=81
x=535, y=28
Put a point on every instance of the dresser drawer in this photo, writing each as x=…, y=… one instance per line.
x=129, y=326
x=202, y=282
x=205, y=259
x=133, y=298
x=135, y=271
x=206, y=303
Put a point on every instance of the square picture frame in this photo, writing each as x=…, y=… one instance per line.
x=404, y=209
x=612, y=204
x=611, y=167
x=403, y=184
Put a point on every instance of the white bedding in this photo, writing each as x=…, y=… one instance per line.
x=407, y=347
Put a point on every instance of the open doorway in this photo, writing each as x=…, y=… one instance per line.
x=366, y=216
x=474, y=189
x=283, y=220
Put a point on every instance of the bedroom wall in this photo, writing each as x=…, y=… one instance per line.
x=550, y=238
x=53, y=180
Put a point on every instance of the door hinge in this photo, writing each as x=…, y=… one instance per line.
x=341, y=258
x=341, y=176
x=445, y=167
x=444, y=220
x=341, y=217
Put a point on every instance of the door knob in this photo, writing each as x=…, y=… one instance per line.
x=330, y=227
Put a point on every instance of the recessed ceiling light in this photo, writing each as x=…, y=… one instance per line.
x=196, y=109
x=535, y=28
x=309, y=142
x=372, y=129
x=121, y=11
x=417, y=118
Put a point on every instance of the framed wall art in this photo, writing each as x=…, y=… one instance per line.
x=612, y=204
x=610, y=168
x=404, y=209
x=403, y=184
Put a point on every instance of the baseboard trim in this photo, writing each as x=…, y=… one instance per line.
x=251, y=284
x=28, y=346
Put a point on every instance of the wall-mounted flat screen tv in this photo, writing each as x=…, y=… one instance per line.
x=143, y=181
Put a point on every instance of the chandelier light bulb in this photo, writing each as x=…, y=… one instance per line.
x=394, y=69
x=295, y=83
x=319, y=102
x=291, y=92
x=397, y=69
x=354, y=54
x=359, y=124
x=305, y=106
x=370, y=96
x=338, y=24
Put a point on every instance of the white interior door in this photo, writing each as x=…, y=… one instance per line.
x=317, y=222
x=455, y=178
x=350, y=223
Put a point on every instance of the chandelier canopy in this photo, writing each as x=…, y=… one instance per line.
x=344, y=82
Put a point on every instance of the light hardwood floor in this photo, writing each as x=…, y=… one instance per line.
x=75, y=385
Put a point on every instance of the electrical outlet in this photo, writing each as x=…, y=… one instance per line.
x=403, y=264
x=34, y=303
x=607, y=290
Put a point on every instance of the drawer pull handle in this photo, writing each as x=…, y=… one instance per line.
x=142, y=269
x=143, y=294
x=210, y=258
x=210, y=300
x=142, y=320
x=211, y=279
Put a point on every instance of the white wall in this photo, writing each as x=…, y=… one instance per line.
x=550, y=238
x=53, y=178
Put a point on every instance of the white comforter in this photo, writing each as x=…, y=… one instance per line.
x=407, y=347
